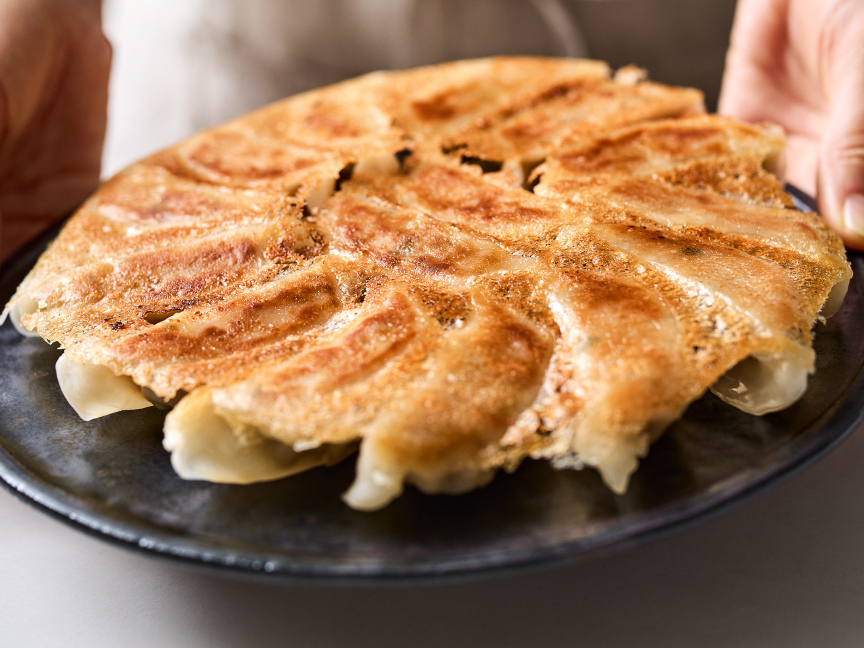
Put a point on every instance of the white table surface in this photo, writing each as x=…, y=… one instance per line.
x=784, y=569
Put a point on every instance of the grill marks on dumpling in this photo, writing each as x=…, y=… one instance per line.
x=459, y=196
x=216, y=342
x=699, y=152
x=612, y=372
x=529, y=128
x=712, y=272
x=443, y=435
x=333, y=391
x=442, y=264
x=402, y=240
x=637, y=201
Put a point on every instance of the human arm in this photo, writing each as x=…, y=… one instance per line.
x=800, y=64
x=54, y=66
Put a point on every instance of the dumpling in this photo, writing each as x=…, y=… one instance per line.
x=452, y=268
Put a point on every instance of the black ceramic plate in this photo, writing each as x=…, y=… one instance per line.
x=112, y=478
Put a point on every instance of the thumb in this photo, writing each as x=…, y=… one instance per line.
x=841, y=163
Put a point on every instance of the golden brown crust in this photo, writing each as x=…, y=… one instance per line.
x=522, y=257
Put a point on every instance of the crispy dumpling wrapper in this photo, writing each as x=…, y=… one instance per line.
x=453, y=268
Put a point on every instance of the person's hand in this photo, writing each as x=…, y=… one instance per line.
x=54, y=65
x=800, y=64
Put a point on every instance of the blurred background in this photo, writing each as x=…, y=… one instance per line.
x=783, y=570
x=180, y=67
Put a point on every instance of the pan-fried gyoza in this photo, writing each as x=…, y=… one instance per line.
x=449, y=269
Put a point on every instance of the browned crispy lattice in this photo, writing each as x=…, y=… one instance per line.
x=453, y=268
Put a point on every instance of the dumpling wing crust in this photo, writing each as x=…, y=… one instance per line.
x=453, y=268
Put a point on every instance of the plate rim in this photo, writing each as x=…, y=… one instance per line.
x=834, y=424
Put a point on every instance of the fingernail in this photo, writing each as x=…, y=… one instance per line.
x=853, y=214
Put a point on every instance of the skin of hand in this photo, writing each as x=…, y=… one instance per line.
x=54, y=67
x=800, y=64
